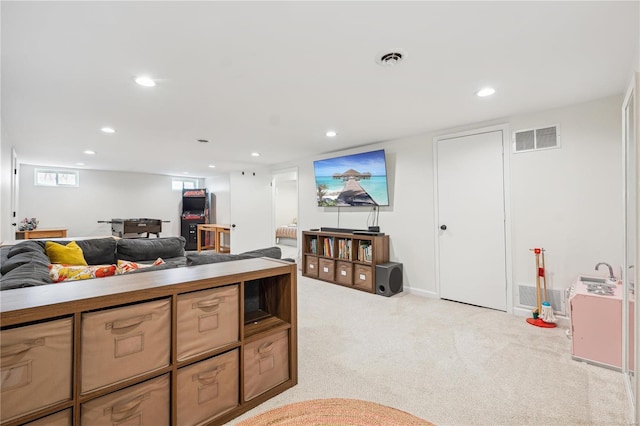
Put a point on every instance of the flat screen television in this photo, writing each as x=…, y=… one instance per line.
x=352, y=180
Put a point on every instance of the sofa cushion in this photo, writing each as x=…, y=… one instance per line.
x=22, y=258
x=25, y=247
x=27, y=275
x=205, y=257
x=140, y=249
x=4, y=256
x=272, y=252
x=69, y=254
x=97, y=251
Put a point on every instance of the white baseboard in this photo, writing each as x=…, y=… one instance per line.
x=418, y=292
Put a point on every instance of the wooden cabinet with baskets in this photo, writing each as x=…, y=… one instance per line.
x=194, y=345
x=345, y=259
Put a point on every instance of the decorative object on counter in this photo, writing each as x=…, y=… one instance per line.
x=543, y=312
x=28, y=224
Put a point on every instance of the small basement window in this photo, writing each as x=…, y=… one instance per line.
x=536, y=139
x=51, y=177
x=178, y=184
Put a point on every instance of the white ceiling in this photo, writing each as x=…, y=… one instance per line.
x=272, y=77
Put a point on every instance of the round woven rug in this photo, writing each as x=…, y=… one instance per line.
x=335, y=411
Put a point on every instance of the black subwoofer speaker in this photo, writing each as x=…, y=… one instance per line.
x=389, y=278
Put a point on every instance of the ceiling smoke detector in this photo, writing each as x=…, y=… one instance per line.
x=391, y=58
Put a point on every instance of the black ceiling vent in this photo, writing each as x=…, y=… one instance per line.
x=390, y=58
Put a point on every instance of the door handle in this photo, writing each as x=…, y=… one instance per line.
x=443, y=227
x=233, y=225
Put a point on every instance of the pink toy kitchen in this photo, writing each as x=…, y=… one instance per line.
x=596, y=308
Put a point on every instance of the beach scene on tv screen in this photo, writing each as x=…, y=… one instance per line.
x=352, y=180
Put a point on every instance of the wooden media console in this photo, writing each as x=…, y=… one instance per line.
x=344, y=258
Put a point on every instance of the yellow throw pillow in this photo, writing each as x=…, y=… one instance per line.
x=71, y=254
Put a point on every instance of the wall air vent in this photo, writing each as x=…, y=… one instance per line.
x=527, y=296
x=536, y=139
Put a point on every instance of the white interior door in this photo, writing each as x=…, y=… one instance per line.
x=471, y=214
x=250, y=208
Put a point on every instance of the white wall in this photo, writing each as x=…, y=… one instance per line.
x=285, y=202
x=218, y=186
x=6, y=220
x=567, y=200
x=102, y=195
x=409, y=220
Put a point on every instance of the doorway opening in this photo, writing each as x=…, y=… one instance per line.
x=285, y=212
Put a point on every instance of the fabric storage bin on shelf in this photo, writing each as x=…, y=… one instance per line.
x=326, y=269
x=207, y=320
x=62, y=418
x=362, y=277
x=36, y=367
x=208, y=388
x=344, y=273
x=125, y=342
x=311, y=265
x=145, y=404
x=266, y=363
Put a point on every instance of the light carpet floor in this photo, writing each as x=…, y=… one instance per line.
x=446, y=362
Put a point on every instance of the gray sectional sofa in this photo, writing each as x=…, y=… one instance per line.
x=26, y=264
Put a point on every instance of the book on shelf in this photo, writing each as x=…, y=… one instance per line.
x=328, y=247
x=364, y=251
x=344, y=249
x=314, y=246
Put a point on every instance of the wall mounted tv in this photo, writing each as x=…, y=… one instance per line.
x=352, y=180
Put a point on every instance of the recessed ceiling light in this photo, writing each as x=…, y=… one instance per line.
x=108, y=130
x=79, y=164
x=331, y=134
x=211, y=166
x=145, y=81
x=487, y=91
x=89, y=152
x=255, y=154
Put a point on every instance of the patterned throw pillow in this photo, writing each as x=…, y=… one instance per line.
x=125, y=266
x=71, y=254
x=61, y=272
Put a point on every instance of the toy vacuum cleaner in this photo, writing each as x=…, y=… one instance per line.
x=543, y=313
